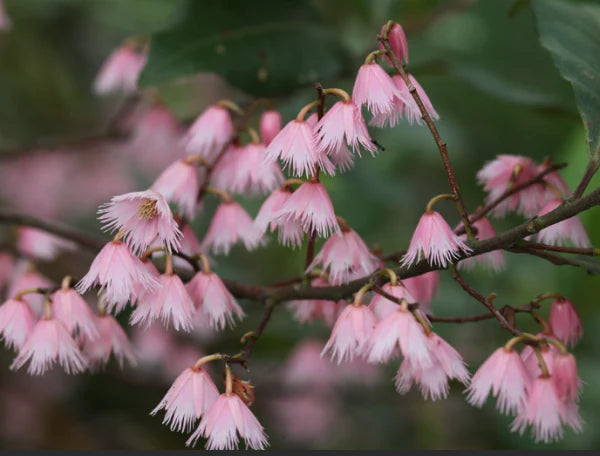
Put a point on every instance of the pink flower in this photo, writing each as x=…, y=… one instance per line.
x=155, y=139
x=112, y=340
x=383, y=307
x=505, y=376
x=508, y=171
x=565, y=321
x=343, y=159
x=290, y=232
x=411, y=109
x=73, y=312
x=433, y=380
x=399, y=330
x=231, y=224
x=544, y=411
x=555, y=180
x=423, y=288
x=563, y=232
x=213, y=300
x=565, y=377
x=120, y=71
x=242, y=170
x=191, y=395
x=169, y=302
x=270, y=125
x=296, y=146
x=374, y=87
x=25, y=277
x=345, y=256
x=350, y=333
x=493, y=260
x=48, y=343
x=530, y=360
x=118, y=273
x=16, y=323
x=434, y=241
x=311, y=309
x=179, y=184
x=397, y=40
x=190, y=245
x=227, y=418
x=311, y=207
x=209, y=133
x=342, y=126
x=144, y=217
x=38, y=244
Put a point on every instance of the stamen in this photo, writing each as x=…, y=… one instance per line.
x=147, y=209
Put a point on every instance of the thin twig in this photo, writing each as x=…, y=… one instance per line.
x=485, y=301
x=591, y=251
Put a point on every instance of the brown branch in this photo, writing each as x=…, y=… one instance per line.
x=590, y=170
x=434, y=132
x=591, y=251
x=244, y=355
x=506, y=240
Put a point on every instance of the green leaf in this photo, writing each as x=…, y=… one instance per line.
x=571, y=32
x=264, y=48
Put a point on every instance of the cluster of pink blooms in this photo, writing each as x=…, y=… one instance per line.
x=57, y=325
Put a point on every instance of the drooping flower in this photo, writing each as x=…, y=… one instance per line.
x=242, y=170
x=531, y=362
x=509, y=171
x=73, y=312
x=434, y=241
x=179, y=183
x=213, y=300
x=49, y=343
x=311, y=207
x=227, y=418
x=144, y=217
x=209, y=133
x=565, y=377
x=170, y=302
x=411, y=109
x=121, y=70
x=397, y=40
x=345, y=257
x=26, y=277
x=350, y=333
x=493, y=260
x=343, y=126
x=306, y=310
x=190, y=396
x=383, y=307
x=374, y=87
x=16, y=322
x=119, y=274
x=505, y=376
x=112, y=339
x=556, y=182
x=399, y=330
x=433, y=380
x=423, y=288
x=565, y=322
x=544, y=411
x=566, y=231
x=231, y=224
x=155, y=139
x=289, y=233
x=270, y=125
x=296, y=146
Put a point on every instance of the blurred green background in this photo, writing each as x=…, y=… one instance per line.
x=496, y=90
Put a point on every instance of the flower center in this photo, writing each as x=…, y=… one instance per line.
x=147, y=209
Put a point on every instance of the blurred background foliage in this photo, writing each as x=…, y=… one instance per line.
x=496, y=90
